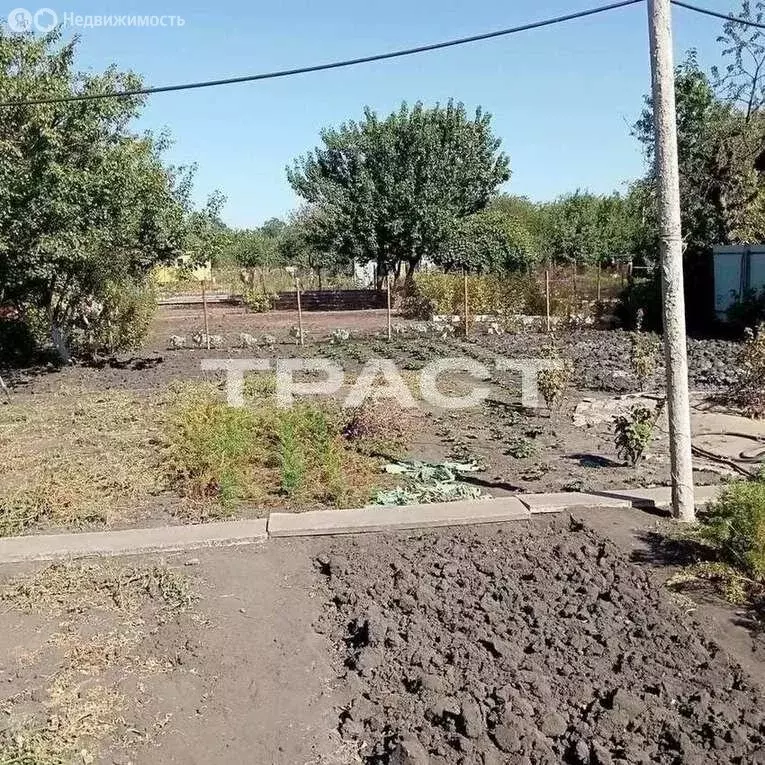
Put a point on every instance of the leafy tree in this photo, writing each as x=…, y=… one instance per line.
x=392, y=190
x=300, y=244
x=273, y=227
x=84, y=202
x=721, y=188
x=487, y=242
x=524, y=214
x=206, y=236
x=252, y=248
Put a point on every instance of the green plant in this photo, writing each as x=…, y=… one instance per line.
x=211, y=446
x=520, y=447
x=291, y=458
x=634, y=432
x=258, y=301
x=553, y=382
x=644, y=357
x=747, y=392
x=735, y=525
x=129, y=309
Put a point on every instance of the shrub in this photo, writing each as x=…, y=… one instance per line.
x=747, y=392
x=749, y=311
x=634, y=432
x=735, y=525
x=258, y=301
x=501, y=296
x=554, y=383
x=128, y=310
x=644, y=357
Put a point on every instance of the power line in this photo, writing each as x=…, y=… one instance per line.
x=327, y=66
x=715, y=14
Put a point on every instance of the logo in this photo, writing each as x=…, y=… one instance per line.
x=20, y=20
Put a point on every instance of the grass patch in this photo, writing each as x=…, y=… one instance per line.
x=735, y=526
x=76, y=459
x=262, y=454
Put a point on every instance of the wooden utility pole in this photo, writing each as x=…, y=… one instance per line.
x=671, y=252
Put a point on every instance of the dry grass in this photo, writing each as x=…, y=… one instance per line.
x=75, y=588
x=81, y=704
x=76, y=459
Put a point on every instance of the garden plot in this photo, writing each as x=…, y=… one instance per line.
x=149, y=440
x=533, y=643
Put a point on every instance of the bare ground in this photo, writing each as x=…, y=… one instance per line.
x=230, y=658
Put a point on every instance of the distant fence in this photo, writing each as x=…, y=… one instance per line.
x=331, y=300
x=311, y=300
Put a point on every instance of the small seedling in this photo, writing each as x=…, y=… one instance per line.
x=521, y=448
x=634, y=432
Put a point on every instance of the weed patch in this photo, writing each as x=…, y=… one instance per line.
x=260, y=453
x=70, y=588
x=735, y=526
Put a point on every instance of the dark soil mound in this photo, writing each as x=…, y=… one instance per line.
x=602, y=358
x=531, y=644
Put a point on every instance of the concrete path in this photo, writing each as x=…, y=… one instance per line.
x=332, y=522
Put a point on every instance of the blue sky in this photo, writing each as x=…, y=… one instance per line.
x=563, y=98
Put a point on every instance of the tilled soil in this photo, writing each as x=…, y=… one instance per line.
x=602, y=358
x=537, y=643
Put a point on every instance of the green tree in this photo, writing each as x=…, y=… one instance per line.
x=487, y=242
x=84, y=202
x=721, y=187
x=530, y=216
x=206, y=235
x=392, y=190
x=301, y=242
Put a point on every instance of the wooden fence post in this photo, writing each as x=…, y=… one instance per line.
x=204, y=310
x=547, y=299
x=390, y=321
x=300, y=311
x=467, y=306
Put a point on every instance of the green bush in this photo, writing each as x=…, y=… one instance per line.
x=735, y=525
x=258, y=301
x=129, y=308
x=497, y=295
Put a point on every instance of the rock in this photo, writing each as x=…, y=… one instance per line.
x=507, y=739
x=409, y=751
x=553, y=725
x=470, y=719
